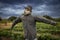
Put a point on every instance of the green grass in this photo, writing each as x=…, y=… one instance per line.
x=44, y=32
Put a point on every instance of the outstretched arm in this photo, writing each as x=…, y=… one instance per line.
x=45, y=20
x=15, y=22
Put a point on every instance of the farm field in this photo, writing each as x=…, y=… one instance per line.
x=44, y=32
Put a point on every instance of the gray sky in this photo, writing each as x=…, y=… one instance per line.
x=40, y=7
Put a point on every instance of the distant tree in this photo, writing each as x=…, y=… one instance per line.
x=48, y=17
x=57, y=19
x=0, y=18
x=5, y=21
x=12, y=18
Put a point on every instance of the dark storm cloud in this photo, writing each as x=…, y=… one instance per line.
x=40, y=7
x=12, y=1
x=53, y=11
x=52, y=2
x=22, y=1
x=48, y=2
x=5, y=15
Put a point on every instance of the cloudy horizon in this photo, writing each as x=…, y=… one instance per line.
x=40, y=7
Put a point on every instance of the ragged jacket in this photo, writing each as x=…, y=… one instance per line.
x=29, y=23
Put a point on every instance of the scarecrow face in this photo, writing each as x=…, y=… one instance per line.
x=27, y=11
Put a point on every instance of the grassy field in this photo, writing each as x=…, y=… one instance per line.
x=44, y=31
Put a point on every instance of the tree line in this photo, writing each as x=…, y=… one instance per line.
x=14, y=17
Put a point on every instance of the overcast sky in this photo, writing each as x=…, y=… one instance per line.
x=40, y=7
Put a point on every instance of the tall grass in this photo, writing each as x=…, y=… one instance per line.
x=44, y=32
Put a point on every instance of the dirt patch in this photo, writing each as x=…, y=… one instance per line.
x=5, y=26
x=5, y=38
